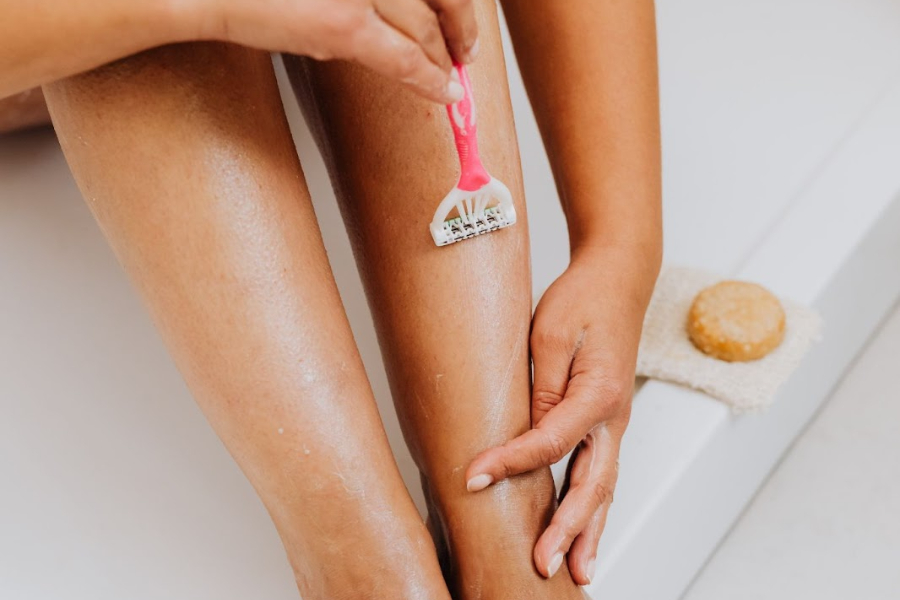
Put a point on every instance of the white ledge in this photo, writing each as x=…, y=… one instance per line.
x=688, y=466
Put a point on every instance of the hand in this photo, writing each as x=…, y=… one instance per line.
x=584, y=342
x=411, y=41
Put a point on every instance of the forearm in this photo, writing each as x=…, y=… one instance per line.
x=590, y=70
x=45, y=40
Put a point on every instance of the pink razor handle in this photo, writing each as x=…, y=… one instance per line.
x=465, y=133
x=482, y=202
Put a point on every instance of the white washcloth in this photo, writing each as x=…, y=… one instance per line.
x=666, y=351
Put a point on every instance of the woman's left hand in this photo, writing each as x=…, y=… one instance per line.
x=584, y=342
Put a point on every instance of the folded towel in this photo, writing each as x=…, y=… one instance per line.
x=666, y=351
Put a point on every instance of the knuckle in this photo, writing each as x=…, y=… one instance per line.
x=430, y=30
x=407, y=63
x=350, y=50
x=545, y=398
x=608, y=396
x=625, y=411
x=431, y=33
x=345, y=23
x=455, y=5
x=614, y=394
x=327, y=48
x=323, y=54
x=572, y=522
x=601, y=494
x=612, y=470
x=505, y=463
x=562, y=526
x=554, y=448
x=568, y=527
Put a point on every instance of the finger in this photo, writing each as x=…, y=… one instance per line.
x=582, y=557
x=457, y=19
x=558, y=433
x=389, y=52
x=552, y=356
x=592, y=480
x=420, y=23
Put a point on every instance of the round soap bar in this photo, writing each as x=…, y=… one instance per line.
x=736, y=321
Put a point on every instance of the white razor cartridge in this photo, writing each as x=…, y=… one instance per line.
x=482, y=203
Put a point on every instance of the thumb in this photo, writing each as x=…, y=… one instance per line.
x=551, y=354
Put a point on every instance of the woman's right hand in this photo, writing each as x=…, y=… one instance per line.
x=411, y=41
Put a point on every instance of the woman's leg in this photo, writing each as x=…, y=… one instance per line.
x=184, y=156
x=454, y=321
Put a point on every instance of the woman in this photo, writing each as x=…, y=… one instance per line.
x=184, y=156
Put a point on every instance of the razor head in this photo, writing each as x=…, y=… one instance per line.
x=462, y=228
x=484, y=210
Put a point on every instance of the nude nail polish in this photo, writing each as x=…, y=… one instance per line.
x=473, y=51
x=455, y=91
x=554, y=565
x=591, y=569
x=479, y=482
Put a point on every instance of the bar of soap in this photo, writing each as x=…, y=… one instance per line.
x=736, y=321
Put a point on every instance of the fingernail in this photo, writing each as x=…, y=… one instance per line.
x=554, y=565
x=591, y=569
x=479, y=482
x=472, y=54
x=455, y=91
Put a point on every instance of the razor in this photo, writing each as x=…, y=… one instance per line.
x=479, y=203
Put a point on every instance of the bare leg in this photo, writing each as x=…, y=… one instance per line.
x=22, y=111
x=453, y=322
x=185, y=158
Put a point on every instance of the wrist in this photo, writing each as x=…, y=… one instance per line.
x=630, y=267
x=633, y=233
x=639, y=252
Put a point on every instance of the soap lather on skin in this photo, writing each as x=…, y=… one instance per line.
x=736, y=321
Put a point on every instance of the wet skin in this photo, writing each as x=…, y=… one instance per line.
x=184, y=156
x=194, y=180
x=453, y=322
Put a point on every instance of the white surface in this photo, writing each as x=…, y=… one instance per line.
x=825, y=525
x=796, y=132
x=688, y=466
x=114, y=487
